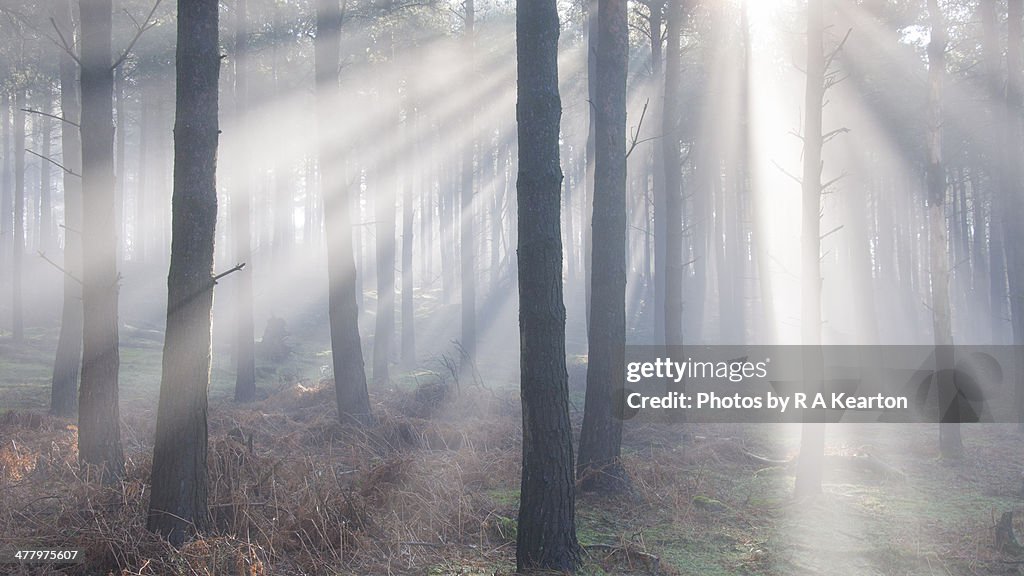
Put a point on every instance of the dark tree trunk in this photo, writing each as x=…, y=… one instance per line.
x=588, y=189
x=673, y=189
x=120, y=140
x=346, y=348
x=384, y=327
x=6, y=190
x=546, y=535
x=18, y=246
x=1015, y=174
x=177, y=505
x=601, y=435
x=408, y=311
x=665, y=113
x=241, y=223
x=812, y=435
x=950, y=443
x=45, y=222
x=68, y=361
x=99, y=436
x=466, y=230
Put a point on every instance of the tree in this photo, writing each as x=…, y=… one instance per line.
x=466, y=233
x=950, y=443
x=546, y=533
x=68, y=361
x=601, y=435
x=177, y=505
x=99, y=437
x=241, y=219
x=672, y=162
x=1013, y=147
x=812, y=436
x=18, y=246
x=346, y=347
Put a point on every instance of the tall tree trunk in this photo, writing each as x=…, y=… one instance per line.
x=241, y=221
x=992, y=57
x=466, y=231
x=121, y=172
x=45, y=204
x=546, y=535
x=68, y=361
x=601, y=436
x=665, y=173
x=673, y=189
x=812, y=435
x=1013, y=147
x=6, y=190
x=950, y=443
x=384, y=213
x=346, y=347
x=99, y=436
x=177, y=506
x=591, y=151
x=408, y=311
x=18, y=246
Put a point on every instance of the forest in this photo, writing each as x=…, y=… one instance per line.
x=427, y=287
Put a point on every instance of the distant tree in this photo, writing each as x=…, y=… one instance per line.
x=546, y=533
x=408, y=306
x=18, y=246
x=467, y=236
x=99, y=437
x=241, y=221
x=346, y=347
x=812, y=436
x=177, y=505
x=671, y=162
x=601, y=436
x=950, y=443
x=68, y=361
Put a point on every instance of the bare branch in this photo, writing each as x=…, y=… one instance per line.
x=140, y=30
x=784, y=171
x=54, y=162
x=48, y=115
x=830, y=232
x=237, y=267
x=636, y=133
x=64, y=43
x=58, y=267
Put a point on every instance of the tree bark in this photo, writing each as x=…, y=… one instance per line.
x=68, y=361
x=178, y=503
x=346, y=347
x=466, y=231
x=546, y=535
x=601, y=435
x=18, y=246
x=241, y=222
x=99, y=437
x=673, y=189
x=950, y=443
x=812, y=435
x=408, y=309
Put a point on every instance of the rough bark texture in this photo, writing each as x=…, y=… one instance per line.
x=18, y=246
x=346, y=348
x=99, y=437
x=546, y=534
x=6, y=189
x=408, y=309
x=466, y=229
x=68, y=361
x=177, y=506
x=241, y=223
x=1014, y=179
x=601, y=435
x=812, y=436
x=950, y=443
x=672, y=162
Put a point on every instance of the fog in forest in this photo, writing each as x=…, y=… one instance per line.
x=336, y=193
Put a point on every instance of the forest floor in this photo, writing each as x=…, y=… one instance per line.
x=432, y=488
